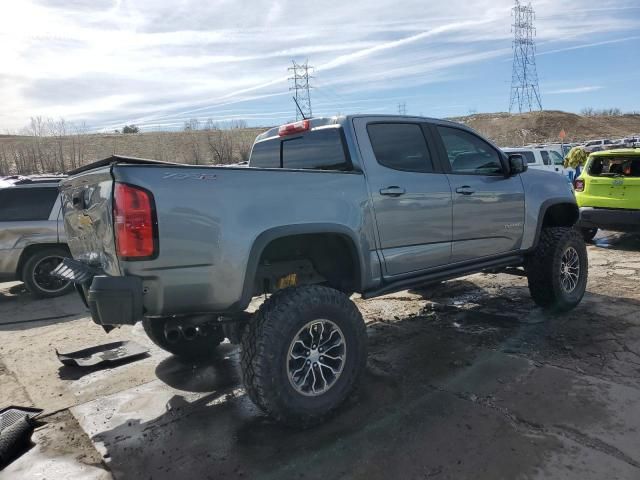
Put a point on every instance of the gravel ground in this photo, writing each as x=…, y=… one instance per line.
x=467, y=379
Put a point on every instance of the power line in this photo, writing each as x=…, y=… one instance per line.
x=301, y=87
x=525, y=92
x=402, y=108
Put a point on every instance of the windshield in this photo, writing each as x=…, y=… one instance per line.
x=615, y=167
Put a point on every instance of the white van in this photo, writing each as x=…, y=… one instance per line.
x=541, y=158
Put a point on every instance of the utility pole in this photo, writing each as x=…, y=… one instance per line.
x=525, y=92
x=402, y=108
x=300, y=85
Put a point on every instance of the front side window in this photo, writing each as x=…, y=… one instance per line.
x=400, y=146
x=469, y=154
x=556, y=158
x=27, y=204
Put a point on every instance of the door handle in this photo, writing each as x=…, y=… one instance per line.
x=465, y=190
x=393, y=191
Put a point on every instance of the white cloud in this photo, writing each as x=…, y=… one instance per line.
x=572, y=90
x=159, y=61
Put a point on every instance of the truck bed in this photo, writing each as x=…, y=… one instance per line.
x=208, y=220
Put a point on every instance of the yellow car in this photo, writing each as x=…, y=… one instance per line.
x=608, y=192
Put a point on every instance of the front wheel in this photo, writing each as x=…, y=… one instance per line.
x=303, y=353
x=558, y=268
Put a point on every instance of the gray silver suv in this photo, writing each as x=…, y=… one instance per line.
x=32, y=240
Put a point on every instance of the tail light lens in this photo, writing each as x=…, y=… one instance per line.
x=135, y=223
x=578, y=185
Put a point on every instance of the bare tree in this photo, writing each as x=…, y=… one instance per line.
x=221, y=146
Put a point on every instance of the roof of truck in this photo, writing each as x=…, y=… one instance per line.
x=338, y=120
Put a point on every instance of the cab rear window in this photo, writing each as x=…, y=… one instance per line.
x=315, y=150
x=615, y=167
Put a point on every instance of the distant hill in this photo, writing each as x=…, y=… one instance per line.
x=24, y=154
x=540, y=127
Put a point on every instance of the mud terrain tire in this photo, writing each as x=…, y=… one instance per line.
x=297, y=318
x=558, y=269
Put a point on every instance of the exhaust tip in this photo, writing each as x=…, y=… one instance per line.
x=190, y=332
x=173, y=335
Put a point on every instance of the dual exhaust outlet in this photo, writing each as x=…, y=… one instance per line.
x=186, y=332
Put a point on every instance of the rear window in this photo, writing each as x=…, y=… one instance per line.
x=316, y=150
x=526, y=154
x=266, y=154
x=25, y=204
x=615, y=167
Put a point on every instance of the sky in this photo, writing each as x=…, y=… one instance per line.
x=159, y=63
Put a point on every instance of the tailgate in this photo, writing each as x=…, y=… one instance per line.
x=613, y=181
x=88, y=218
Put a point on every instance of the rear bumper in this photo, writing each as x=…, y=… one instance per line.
x=115, y=300
x=111, y=300
x=610, y=219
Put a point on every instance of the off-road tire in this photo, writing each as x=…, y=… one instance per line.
x=544, y=268
x=32, y=262
x=199, y=348
x=588, y=233
x=265, y=348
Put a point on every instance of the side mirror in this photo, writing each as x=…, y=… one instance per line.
x=517, y=164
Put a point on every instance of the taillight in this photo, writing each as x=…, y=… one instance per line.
x=291, y=128
x=135, y=223
x=578, y=185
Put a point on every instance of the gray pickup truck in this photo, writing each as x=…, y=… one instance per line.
x=326, y=208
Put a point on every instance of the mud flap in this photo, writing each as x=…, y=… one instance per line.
x=107, y=354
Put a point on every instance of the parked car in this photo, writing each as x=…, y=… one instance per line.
x=597, y=145
x=326, y=208
x=32, y=240
x=540, y=158
x=608, y=192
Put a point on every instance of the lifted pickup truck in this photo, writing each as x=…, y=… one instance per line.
x=327, y=207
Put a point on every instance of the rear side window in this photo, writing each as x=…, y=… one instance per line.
x=400, y=146
x=316, y=150
x=526, y=154
x=615, y=167
x=469, y=154
x=24, y=204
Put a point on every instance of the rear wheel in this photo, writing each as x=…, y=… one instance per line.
x=190, y=342
x=588, y=233
x=36, y=273
x=557, y=270
x=303, y=353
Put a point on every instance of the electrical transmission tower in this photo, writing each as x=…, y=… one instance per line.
x=402, y=108
x=301, y=87
x=525, y=92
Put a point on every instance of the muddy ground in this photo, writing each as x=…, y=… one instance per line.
x=467, y=379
